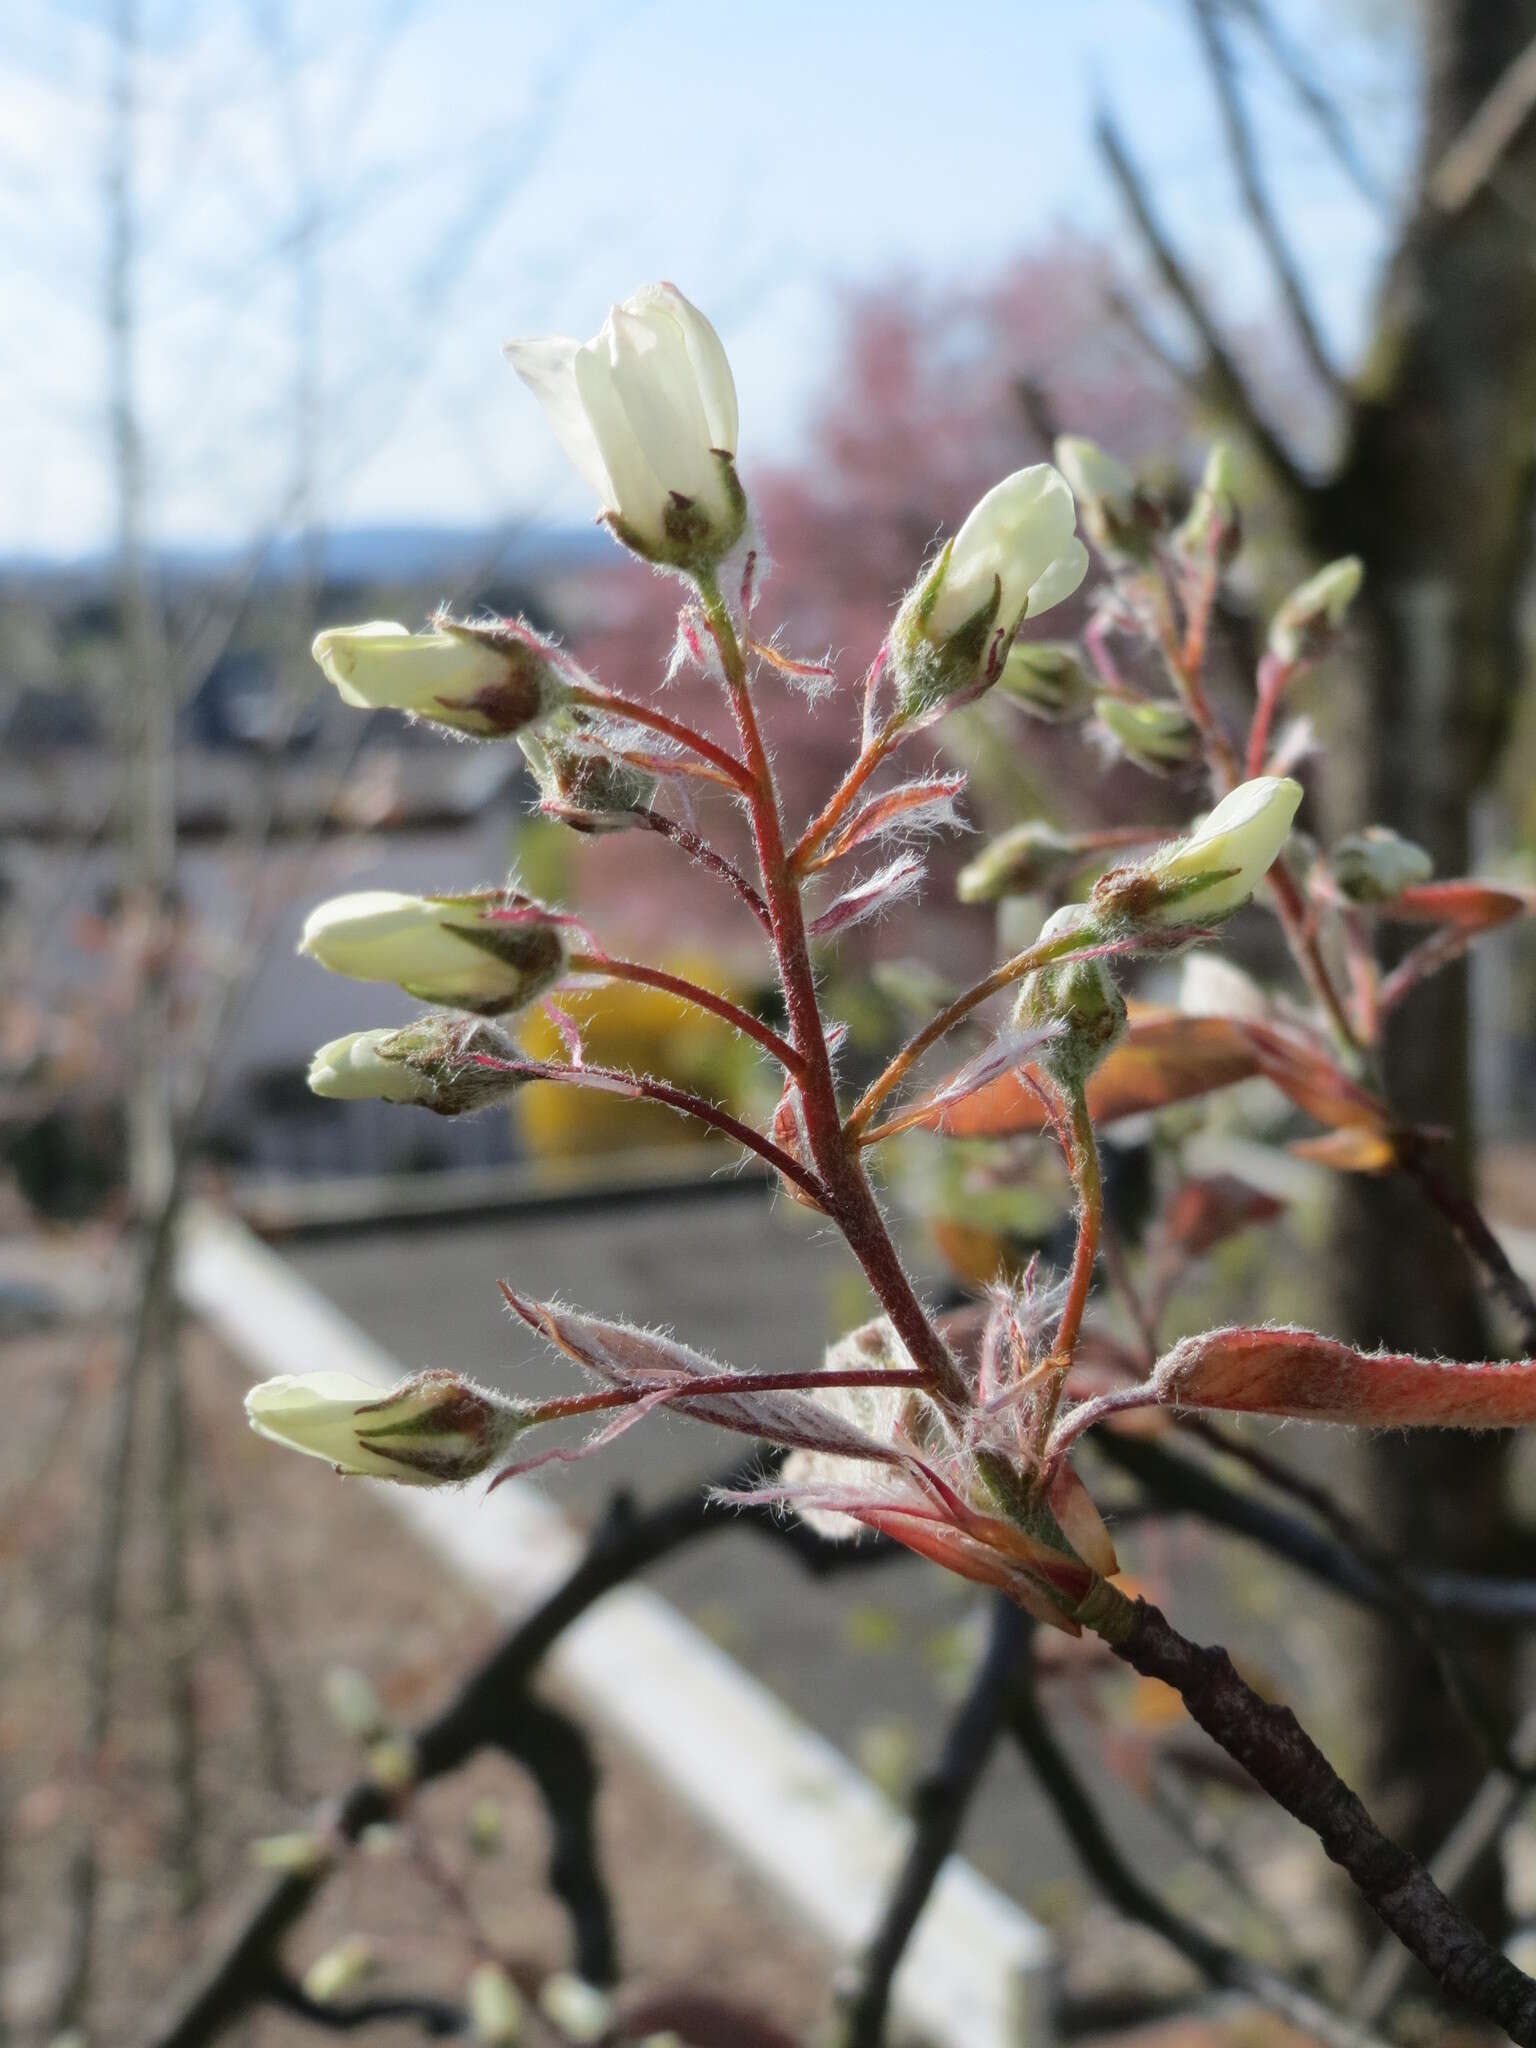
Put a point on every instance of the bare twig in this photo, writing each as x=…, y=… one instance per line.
x=940, y=1803
x=241, y=1970
x=1474, y=156
x=1314, y=100
x=1232, y=385
x=1282, y=1759
x=1211, y=32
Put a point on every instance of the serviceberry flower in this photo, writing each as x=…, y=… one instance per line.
x=434, y=1430
x=646, y=412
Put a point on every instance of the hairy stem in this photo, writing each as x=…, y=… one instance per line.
x=696, y=993
x=638, y=713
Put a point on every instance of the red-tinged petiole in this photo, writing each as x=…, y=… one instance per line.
x=637, y=713
x=696, y=993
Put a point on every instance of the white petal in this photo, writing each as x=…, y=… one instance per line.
x=546, y=364
x=635, y=489
x=717, y=387
x=656, y=387
x=1059, y=580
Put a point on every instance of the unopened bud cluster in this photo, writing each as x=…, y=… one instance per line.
x=1080, y=996
x=1377, y=864
x=1311, y=617
x=1159, y=737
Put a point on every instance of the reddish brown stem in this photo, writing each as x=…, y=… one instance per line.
x=638, y=713
x=700, y=850
x=565, y=1406
x=1274, y=679
x=696, y=993
x=648, y=1089
x=844, y=1191
x=836, y=808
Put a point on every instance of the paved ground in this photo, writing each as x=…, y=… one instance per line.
x=873, y=1659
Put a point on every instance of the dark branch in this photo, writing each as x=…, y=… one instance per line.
x=940, y=1803
x=1283, y=1760
x=1121, y=1885
x=438, y=2020
x=1470, y=1228
x=241, y=1972
x=1315, y=102
x=1231, y=385
x=1181, y=1485
x=1250, y=181
x=558, y=1757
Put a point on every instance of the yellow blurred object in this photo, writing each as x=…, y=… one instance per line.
x=643, y=1031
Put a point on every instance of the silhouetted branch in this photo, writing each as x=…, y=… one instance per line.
x=437, y=2019
x=1256, y=203
x=1471, y=1230
x=484, y=1712
x=1232, y=386
x=1474, y=156
x=556, y=1754
x=1313, y=99
x=940, y=1802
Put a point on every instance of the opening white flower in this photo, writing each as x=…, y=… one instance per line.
x=646, y=412
x=485, y=680
x=1215, y=870
x=1016, y=555
x=487, y=953
x=1020, y=545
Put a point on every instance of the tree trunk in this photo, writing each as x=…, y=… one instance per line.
x=1435, y=495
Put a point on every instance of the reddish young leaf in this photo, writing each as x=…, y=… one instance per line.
x=923, y=806
x=1299, y=1374
x=869, y=898
x=1165, y=1057
x=1312, y=1080
x=1206, y=1211
x=1472, y=906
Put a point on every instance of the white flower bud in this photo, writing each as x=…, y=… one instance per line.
x=353, y=1703
x=334, y=1973
x=432, y=1063
x=300, y=1854
x=1212, y=872
x=1377, y=864
x=1046, y=679
x=1158, y=737
x=646, y=412
x=487, y=952
x=1115, y=515
x=1313, y=613
x=487, y=680
x=1214, y=524
x=580, y=2010
x=358, y=1068
x=433, y=1430
x=496, y=2008
x=1016, y=555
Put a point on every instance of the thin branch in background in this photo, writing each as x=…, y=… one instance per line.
x=1243, y=151
x=1472, y=159
x=556, y=1754
x=238, y=1971
x=1415, y=1610
x=239, y=1618
x=1492, y=1807
x=1415, y=1157
x=1315, y=101
x=1127, y=314
x=940, y=1802
x=179, y=1645
x=1058, y=1779
x=1231, y=384
x=436, y=2018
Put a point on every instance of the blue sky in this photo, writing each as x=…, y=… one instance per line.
x=479, y=170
